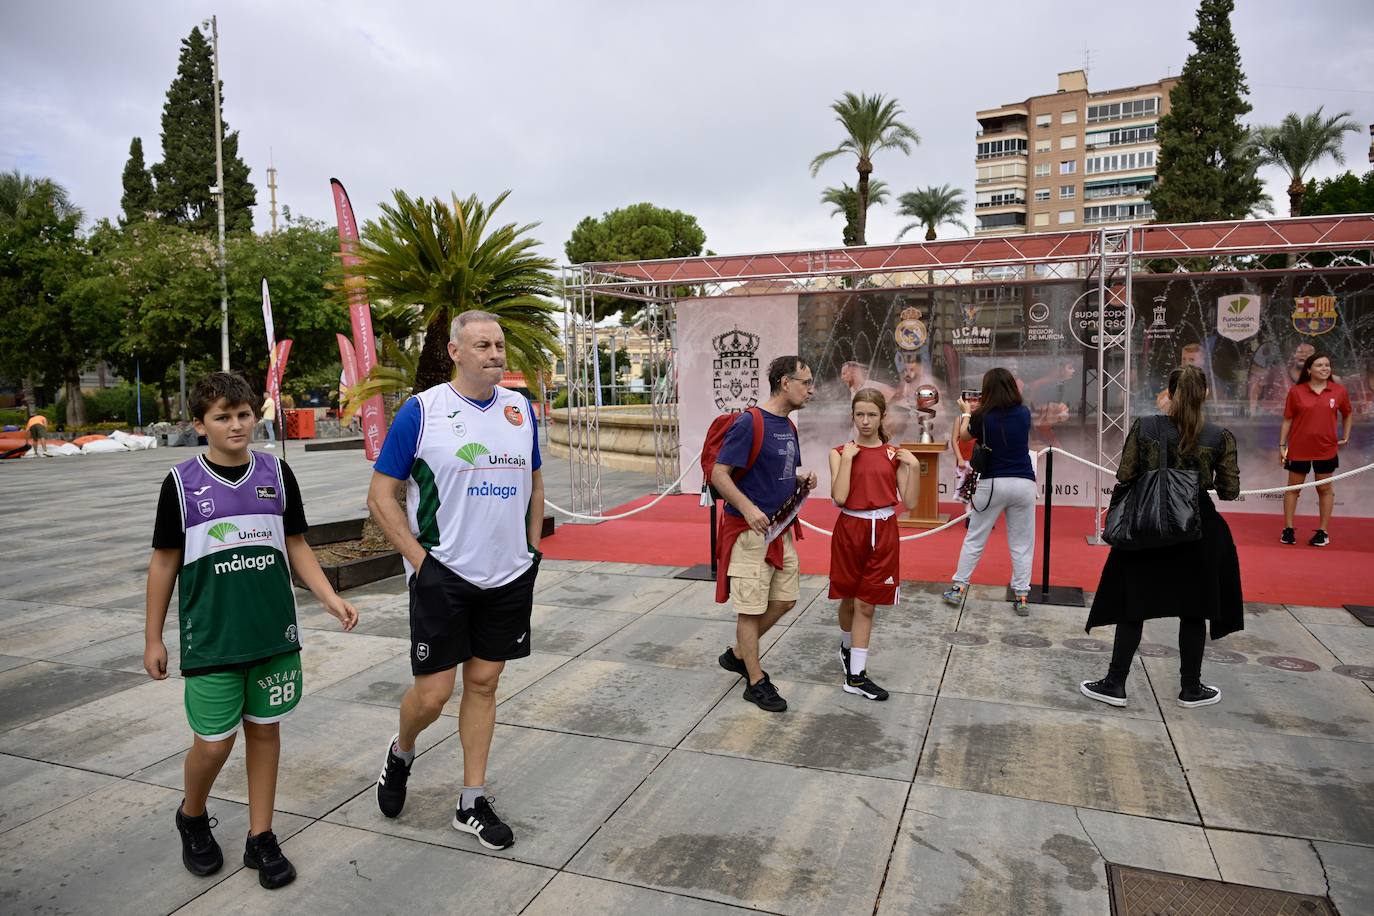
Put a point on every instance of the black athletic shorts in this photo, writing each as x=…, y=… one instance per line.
x=1321, y=467
x=452, y=620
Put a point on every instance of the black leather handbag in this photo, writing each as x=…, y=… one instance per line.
x=1158, y=508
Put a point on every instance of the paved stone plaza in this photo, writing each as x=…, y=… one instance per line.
x=636, y=779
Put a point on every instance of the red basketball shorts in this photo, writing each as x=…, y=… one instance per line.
x=864, y=559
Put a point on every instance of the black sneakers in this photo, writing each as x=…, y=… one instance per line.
x=199, y=851
x=844, y=658
x=391, y=784
x=481, y=821
x=1104, y=691
x=263, y=855
x=1288, y=537
x=862, y=685
x=1319, y=539
x=764, y=695
x=731, y=662
x=1198, y=695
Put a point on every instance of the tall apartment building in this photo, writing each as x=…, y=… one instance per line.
x=1069, y=160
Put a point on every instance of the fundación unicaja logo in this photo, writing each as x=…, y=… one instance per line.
x=1238, y=316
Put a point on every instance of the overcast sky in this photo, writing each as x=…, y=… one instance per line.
x=715, y=108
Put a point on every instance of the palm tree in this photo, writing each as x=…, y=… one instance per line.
x=870, y=125
x=448, y=259
x=1297, y=143
x=932, y=206
x=846, y=203
x=19, y=191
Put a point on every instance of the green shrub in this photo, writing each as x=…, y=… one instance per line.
x=560, y=400
x=115, y=405
x=13, y=416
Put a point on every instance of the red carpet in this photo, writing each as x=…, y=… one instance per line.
x=676, y=533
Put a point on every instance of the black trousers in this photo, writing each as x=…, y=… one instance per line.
x=1192, y=639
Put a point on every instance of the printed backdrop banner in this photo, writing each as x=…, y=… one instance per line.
x=724, y=346
x=1249, y=334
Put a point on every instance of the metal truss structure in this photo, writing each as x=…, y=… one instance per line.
x=1110, y=258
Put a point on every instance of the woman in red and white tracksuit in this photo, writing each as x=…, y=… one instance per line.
x=867, y=479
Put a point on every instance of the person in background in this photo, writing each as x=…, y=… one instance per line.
x=268, y=420
x=37, y=429
x=1002, y=423
x=1196, y=581
x=1308, y=441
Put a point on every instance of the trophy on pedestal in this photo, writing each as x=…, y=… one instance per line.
x=927, y=396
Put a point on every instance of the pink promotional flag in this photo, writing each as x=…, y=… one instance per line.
x=349, y=361
x=277, y=369
x=360, y=313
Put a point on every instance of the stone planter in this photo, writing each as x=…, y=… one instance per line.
x=627, y=437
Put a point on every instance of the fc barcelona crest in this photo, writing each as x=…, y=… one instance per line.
x=1314, y=315
x=735, y=370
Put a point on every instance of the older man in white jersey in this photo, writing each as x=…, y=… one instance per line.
x=468, y=452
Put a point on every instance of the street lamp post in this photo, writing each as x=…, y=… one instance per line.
x=218, y=192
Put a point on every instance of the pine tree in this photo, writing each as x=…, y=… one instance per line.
x=1206, y=168
x=187, y=170
x=138, y=186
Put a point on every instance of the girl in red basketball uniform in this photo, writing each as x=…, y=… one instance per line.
x=867, y=479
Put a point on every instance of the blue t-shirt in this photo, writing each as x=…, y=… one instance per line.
x=773, y=478
x=403, y=438
x=1006, y=430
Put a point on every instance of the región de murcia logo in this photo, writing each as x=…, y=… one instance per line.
x=735, y=371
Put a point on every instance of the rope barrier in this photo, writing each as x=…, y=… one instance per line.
x=954, y=521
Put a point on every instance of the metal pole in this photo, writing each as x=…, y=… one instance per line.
x=1101, y=384
x=138, y=394
x=1049, y=510
x=612, y=336
x=219, y=201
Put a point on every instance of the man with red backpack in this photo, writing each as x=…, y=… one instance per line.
x=756, y=473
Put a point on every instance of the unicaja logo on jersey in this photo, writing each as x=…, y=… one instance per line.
x=477, y=454
x=224, y=531
x=237, y=563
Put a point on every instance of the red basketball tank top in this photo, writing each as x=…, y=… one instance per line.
x=872, y=478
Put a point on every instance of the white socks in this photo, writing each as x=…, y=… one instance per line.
x=407, y=756
x=470, y=795
x=846, y=639
x=858, y=661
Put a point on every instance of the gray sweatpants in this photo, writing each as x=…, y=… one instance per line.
x=1016, y=497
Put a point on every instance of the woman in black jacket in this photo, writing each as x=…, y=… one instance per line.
x=1199, y=581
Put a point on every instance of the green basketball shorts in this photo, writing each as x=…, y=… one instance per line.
x=216, y=703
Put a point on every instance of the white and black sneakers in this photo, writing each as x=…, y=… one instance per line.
x=1104, y=691
x=1198, y=695
x=482, y=822
x=391, y=784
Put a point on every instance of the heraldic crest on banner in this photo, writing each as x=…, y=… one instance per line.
x=735, y=371
x=911, y=333
x=1314, y=315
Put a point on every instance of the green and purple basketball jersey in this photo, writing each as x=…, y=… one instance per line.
x=236, y=599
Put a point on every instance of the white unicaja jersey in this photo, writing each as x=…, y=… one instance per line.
x=469, y=489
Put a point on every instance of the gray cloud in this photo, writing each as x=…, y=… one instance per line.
x=715, y=108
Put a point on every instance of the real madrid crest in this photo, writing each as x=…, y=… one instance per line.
x=911, y=333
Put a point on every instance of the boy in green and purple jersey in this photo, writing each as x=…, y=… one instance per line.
x=230, y=528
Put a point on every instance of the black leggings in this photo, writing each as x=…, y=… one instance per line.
x=1192, y=639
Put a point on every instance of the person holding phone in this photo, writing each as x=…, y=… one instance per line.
x=1002, y=423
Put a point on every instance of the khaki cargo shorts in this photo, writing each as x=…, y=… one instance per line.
x=753, y=583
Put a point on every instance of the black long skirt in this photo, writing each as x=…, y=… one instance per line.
x=1199, y=580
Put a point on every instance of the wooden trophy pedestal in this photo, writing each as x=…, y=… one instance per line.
x=927, y=512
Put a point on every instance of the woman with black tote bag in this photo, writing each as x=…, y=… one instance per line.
x=1197, y=581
